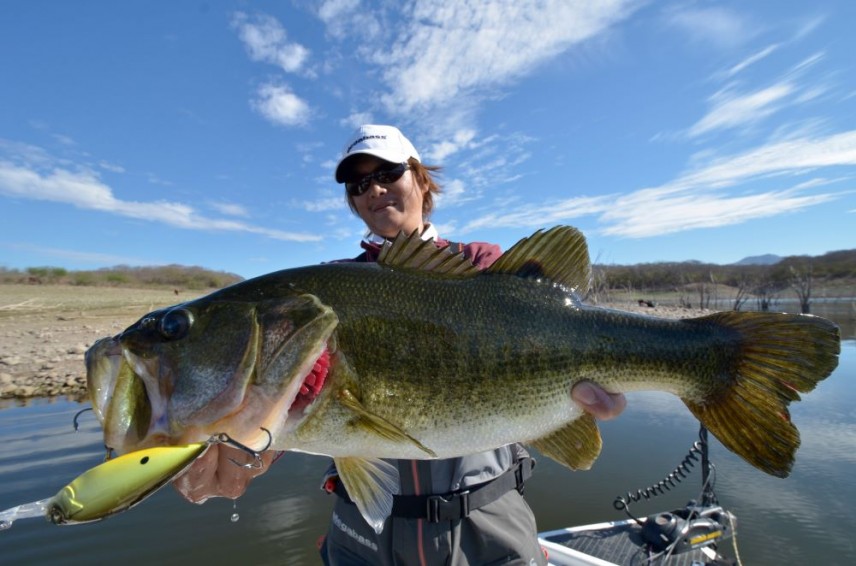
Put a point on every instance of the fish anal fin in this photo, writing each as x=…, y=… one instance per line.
x=377, y=425
x=576, y=445
x=559, y=254
x=413, y=253
x=371, y=484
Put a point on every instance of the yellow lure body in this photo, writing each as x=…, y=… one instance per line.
x=120, y=483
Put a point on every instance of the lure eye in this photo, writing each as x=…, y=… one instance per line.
x=175, y=324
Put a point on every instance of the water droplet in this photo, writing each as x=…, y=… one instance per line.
x=235, y=517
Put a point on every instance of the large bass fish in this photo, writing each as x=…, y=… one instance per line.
x=422, y=356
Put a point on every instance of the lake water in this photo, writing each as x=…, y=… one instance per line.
x=806, y=518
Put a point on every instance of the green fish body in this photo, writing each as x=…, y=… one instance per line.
x=431, y=358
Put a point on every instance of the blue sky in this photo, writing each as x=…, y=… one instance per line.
x=205, y=133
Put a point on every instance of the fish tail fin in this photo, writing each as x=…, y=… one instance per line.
x=778, y=356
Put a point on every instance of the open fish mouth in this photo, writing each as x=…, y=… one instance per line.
x=167, y=380
x=134, y=419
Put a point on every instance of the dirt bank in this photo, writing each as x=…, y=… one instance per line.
x=46, y=329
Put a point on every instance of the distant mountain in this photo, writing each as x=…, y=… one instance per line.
x=766, y=259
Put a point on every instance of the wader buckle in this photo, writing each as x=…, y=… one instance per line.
x=436, y=504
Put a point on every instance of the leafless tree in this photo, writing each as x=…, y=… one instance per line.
x=599, y=289
x=742, y=296
x=801, y=280
x=706, y=288
x=766, y=297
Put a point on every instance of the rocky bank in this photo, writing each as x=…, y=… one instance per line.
x=43, y=338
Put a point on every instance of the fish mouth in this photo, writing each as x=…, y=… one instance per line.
x=128, y=402
x=183, y=374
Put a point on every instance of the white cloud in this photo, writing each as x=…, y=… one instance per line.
x=337, y=203
x=732, y=110
x=752, y=59
x=460, y=139
x=715, y=25
x=83, y=189
x=331, y=10
x=699, y=198
x=454, y=193
x=808, y=26
x=534, y=216
x=63, y=139
x=281, y=106
x=652, y=213
x=155, y=180
x=447, y=50
x=357, y=119
x=112, y=167
x=231, y=209
x=794, y=155
x=265, y=41
x=349, y=16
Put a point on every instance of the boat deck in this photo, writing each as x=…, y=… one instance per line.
x=625, y=543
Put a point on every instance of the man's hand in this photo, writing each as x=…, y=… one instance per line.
x=214, y=475
x=597, y=402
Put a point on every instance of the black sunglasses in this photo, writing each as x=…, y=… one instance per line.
x=382, y=176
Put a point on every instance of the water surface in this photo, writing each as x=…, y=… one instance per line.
x=806, y=518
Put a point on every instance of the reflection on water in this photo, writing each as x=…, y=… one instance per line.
x=808, y=516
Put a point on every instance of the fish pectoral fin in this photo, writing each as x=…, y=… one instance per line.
x=371, y=483
x=576, y=445
x=378, y=425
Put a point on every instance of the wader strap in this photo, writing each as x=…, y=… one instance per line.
x=455, y=506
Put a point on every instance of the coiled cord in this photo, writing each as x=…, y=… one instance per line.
x=622, y=503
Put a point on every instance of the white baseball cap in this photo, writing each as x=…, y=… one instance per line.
x=385, y=142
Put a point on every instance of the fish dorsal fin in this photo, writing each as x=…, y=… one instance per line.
x=576, y=445
x=414, y=253
x=371, y=484
x=559, y=255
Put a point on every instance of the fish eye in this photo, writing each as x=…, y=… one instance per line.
x=175, y=324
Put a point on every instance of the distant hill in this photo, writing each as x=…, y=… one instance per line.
x=834, y=269
x=163, y=276
x=766, y=259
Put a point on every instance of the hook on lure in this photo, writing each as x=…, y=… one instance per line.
x=77, y=416
x=221, y=438
x=224, y=438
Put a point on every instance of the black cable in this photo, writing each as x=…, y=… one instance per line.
x=622, y=503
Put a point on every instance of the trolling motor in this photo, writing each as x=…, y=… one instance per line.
x=687, y=529
x=694, y=526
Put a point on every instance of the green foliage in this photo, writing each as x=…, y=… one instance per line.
x=759, y=280
x=176, y=277
x=692, y=279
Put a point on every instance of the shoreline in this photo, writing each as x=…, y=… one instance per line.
x=45, y=331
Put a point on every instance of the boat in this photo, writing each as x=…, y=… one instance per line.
x=686, y=536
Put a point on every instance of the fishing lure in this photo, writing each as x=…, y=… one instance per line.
x=118, y=484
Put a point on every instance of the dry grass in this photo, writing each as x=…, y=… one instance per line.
x=58, y=299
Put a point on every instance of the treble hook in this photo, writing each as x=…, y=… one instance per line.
x=77, y=415
x=224, y=438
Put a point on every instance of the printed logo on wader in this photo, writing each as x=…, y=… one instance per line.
x=340, y=524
